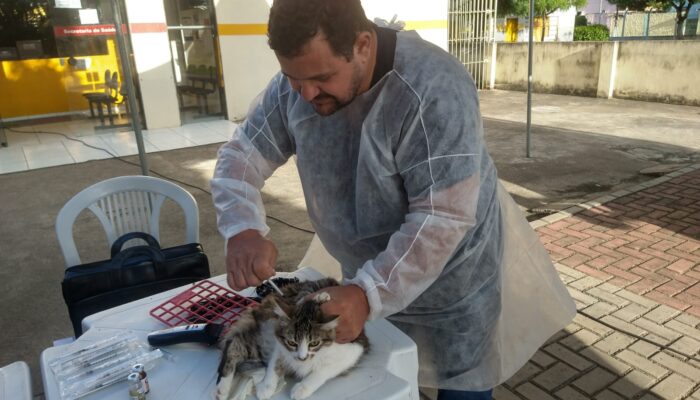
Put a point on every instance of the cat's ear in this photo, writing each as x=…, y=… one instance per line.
x=280, y=310
x=330, y=324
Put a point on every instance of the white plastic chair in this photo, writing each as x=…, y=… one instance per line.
x=125, y=204
x=15, y=382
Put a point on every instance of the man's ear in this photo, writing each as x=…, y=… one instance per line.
x=363, y=44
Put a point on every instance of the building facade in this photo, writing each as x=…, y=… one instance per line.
x=192, y=59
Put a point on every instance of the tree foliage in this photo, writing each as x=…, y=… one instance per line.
x=23, y=20
x=26, y=20
x=632, y=5
x=543, y=8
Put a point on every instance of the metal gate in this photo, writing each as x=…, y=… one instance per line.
x=471, y=27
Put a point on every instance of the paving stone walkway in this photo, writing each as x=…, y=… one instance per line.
x=631, y=261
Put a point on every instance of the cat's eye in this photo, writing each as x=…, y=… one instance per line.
x=290, y=343
x=315, y=343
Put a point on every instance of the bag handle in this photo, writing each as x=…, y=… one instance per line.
x=119, y=243
x=154, y=255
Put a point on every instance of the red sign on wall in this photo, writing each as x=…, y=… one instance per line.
x=108, y=29
x=85, y=30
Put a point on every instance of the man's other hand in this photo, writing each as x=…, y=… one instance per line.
x=351, y=305
x=250, y=259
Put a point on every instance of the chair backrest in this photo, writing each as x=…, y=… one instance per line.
x=108, y=81
x=114, y=85
x=125, y=204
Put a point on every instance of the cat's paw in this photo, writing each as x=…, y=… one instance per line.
x=223, y=388
x=322, y=297
x=257, y=378
x=220, y=394
x=301, y=391
x=265, y=389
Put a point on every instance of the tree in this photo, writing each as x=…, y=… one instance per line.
x=543, y=8
x=632, y=5
x=682, y=7
x=24, y=20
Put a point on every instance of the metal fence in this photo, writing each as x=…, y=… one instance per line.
x=471, y=27
x=642, y=25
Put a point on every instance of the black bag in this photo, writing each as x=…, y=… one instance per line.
x=131, y=274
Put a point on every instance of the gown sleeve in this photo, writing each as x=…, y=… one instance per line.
x=439, y=157
x=258, y=147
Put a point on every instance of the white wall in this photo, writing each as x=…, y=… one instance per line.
x=429, y=19
x=248, y=63
x=660, y=71
x=149, y=40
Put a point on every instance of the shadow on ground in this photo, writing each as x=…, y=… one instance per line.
x=568, y=167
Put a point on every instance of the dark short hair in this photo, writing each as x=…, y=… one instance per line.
x=293, y=23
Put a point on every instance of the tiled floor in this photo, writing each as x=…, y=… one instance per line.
x=29, y=147
x=631, y=261
x=647, y=242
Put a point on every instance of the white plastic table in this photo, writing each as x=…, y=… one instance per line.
x=389, y=371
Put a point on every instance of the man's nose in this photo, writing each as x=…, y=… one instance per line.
x=308, y=91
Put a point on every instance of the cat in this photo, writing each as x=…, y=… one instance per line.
x=290, y=335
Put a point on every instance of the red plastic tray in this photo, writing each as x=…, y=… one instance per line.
x=203, y=302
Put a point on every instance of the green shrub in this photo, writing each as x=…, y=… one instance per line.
x=597, y=33
x=581, y=20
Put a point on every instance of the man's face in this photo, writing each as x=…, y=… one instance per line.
x=324, y=79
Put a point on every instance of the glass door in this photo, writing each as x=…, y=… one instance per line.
x=61, y=66
x=195, y=58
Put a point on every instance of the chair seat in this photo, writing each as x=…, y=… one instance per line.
x=91, y=95
x=15, y=382
x=184, y=88
x=101, y=98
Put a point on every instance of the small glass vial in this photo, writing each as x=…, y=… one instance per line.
x=135, y=387
x=141, y=370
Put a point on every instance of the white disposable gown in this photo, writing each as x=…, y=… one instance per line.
x=402, y=192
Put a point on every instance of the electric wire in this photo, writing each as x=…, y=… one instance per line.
x=662, y=347
x=154, y=172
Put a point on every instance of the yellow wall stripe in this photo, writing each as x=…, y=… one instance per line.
x=242, y=29
x=261, y=29
x=435, y=24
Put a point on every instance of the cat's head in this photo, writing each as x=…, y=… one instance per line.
x=303, y=330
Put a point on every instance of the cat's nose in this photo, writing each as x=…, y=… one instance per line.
x=302, y=357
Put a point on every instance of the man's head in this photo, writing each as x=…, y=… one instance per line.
x=325, y=48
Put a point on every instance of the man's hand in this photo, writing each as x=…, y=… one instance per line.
x=350, y=304
x=250, y=259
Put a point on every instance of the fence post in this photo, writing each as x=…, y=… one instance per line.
x=607, y=72
x=492, y=77
x=624, y=20
x=647, y=20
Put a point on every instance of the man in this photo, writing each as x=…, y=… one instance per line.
x=400, y=189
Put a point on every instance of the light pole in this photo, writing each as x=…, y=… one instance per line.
x=529, y=77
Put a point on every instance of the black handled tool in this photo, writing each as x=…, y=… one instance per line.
x=196, y=333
